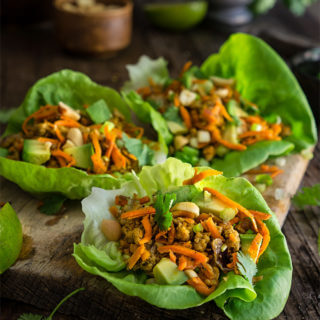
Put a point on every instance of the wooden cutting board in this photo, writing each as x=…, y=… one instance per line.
x=47, y=271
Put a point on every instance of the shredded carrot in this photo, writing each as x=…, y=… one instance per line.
x=204, y=225
x=260, y=215
x=146, y=255
x=147, y=230
x=202, y=175
x=253, y=119
x=68, y=123
x=200, y=286
x=233, y=204
x=233, y=263
x=54, y=141
x=274, y=174
x=141, y=132
x=138, y=213
x=176, y=101
x=160, y=234
x=264, y=231
x=85, y=136
x=186, y=117
x=136, y=256
x=118, y=158
x=121, y=200
x=234, y=220
x=232, y=146
x=98, y=164
x=232, y=238
x=144, y=200
x=114, y=211
x=172, y=256
x=145, y=91
x=203, y=216
x=66, y=156
x=224, y=111
x=255, y=246
x=182, y=263
x=198, y=256
x=111, y=138
x=212, y=227
x=186, y=67
x=171, y=234
x=62, y=162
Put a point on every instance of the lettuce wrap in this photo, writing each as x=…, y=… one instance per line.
x=260, y=75
x=238, y=298
x=77, y=91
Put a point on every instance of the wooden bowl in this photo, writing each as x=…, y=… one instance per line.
x=94, y=32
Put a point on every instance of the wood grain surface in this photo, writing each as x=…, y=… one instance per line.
x=49, y=272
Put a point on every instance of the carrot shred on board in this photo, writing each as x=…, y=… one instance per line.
x=98, y=164
x=172, y=256
x=255, y=247
x=264, y=231
x=200, y=286
x=212, y=227
x=185, y=116
x=138, y=213
x=232, y=204
x=260, y=215
x=182, y=263
x=201, y=175
x=147, y=230
x=136, y=256
x=274, y=174
x=118, y=158
x=146, y=255
x=198, y=256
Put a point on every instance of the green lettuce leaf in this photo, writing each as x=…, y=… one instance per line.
x=145, y=69
x=75, y=89
x=264, y=78
x=235, y=295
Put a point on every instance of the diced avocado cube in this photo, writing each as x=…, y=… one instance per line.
x=35, y=151
x=177, y=128
x=167, y=272
x=108, y=124
x=230, y=134
x=82, y=155
x=216, y=207
x=99, y=111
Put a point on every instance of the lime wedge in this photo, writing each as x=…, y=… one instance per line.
x=176, y=16
x=10, y=237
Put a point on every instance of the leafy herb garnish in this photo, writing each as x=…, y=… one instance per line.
x=173, y=114
x=308, y=196
x=163, y=216
x=246, y=266
x=31, y=316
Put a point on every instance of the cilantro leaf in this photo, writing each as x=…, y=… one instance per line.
x=52, y=204
x=309, y=196
x=246, y=266
x=163, y=216
x=140, y=150
x=173, y=114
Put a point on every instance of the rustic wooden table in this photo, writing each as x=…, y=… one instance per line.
x=30, y=52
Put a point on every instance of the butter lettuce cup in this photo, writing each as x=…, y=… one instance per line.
x=178, y=237
x=70, y=134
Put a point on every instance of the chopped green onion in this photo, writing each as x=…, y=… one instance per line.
x=224, y=247
x=264, y=178
x=261, y=187
x=197, y=228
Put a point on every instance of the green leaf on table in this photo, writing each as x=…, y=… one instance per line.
x=52, y=204
x=140, y=150
x=31, y=316
x=308, y=196
x=246, y=266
